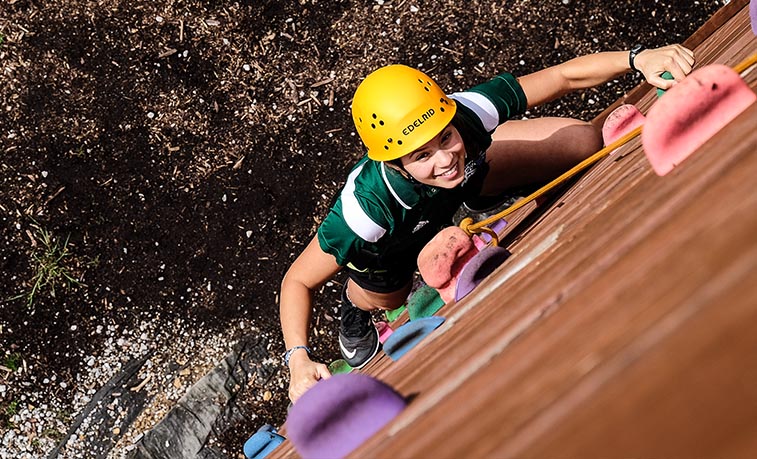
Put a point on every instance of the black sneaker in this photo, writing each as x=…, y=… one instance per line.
x=358, y=337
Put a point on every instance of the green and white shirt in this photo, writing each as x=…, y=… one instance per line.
x=382, y=220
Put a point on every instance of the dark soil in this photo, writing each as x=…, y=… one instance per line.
x=187, y=149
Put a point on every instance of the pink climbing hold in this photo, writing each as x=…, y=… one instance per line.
x=442, y=259
x=385, y=331
x=620, y=122
x=692, y=112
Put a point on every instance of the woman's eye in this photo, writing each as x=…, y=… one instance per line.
x=446, y=137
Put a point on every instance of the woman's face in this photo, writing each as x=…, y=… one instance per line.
x=440, y=162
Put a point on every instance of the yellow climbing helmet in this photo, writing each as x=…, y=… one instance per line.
x=397, y=109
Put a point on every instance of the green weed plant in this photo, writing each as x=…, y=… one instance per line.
x=13, y=361
x=49, y=264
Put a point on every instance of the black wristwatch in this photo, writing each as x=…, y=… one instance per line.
x=632, y=55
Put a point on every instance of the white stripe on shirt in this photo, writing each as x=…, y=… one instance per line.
x=481, y=106
x=357, y=219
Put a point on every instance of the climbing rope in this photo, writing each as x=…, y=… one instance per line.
x=482, y=226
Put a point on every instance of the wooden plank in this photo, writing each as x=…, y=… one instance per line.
x=476, y=402
x=697, y=358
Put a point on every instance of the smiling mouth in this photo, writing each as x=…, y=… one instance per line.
x=449, y=172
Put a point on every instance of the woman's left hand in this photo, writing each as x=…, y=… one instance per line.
x=675, y=59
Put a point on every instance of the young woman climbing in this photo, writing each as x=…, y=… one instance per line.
x=428, y=154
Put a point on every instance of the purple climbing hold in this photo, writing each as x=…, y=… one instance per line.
x=338, y=414
x=753, y=15
x=478, y=268
x=481, y=240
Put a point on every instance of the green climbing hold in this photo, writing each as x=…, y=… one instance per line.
x=425, y=302
x=392, y=315
x=339, y=367
x=667, y=76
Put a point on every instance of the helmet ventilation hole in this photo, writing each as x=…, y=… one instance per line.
x=375, y=117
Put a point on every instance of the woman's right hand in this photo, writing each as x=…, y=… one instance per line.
x=675, y=59
x=303, y=374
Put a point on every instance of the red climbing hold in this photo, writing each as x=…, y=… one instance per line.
x=620, y=122
x=442, y=259
x=692, y=112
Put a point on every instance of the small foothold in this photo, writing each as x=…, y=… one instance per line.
x=478, y=269
x=620, y=122
x=665, y=76
x=262, y=442
x=410, y=335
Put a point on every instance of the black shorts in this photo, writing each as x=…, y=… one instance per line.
x=383, y=280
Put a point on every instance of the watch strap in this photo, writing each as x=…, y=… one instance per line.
x=632, y=56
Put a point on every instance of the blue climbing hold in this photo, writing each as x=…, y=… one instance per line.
x=409, y=335
x=262, y=442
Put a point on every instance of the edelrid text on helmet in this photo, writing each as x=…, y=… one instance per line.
x=397, y=109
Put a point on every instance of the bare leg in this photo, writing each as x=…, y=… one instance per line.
x=524, y=152
x=370, y=301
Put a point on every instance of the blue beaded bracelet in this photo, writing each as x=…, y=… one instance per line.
x=288, y=353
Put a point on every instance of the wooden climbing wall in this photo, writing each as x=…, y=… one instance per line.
x=623, y=324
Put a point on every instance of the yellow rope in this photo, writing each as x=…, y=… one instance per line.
x=482, y=226
x=746, y=63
